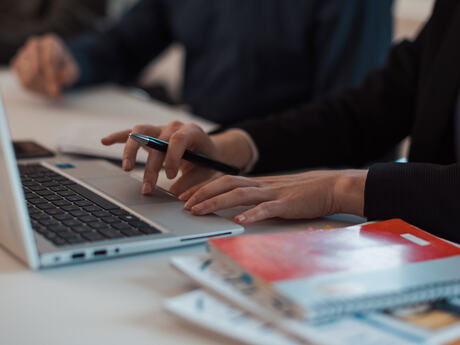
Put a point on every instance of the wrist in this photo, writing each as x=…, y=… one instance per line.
x=233, y=148
x=349, y=192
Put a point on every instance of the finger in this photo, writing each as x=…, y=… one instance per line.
x=152, y=169
x=236, y=197
x=116, y=138
x=131, y=146
x=265, y=210
x=191, y=179
x=49, y=64
x=218, y=186
x=27, y=64
x=184, y=138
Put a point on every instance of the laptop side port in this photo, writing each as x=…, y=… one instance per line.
x=78, y=255
x=100, y=252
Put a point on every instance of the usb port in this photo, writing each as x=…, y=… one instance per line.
x=78, y=256
x=101, y=252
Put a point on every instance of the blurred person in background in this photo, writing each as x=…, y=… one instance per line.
x=244, y=59
x=20, y=19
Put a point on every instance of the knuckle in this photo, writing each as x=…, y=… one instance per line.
x=240, y=192
x=139, y=128
x=175, y=124
x=226, y=179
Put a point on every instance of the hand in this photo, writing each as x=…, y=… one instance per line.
x=45, y=65
x=307, y=195
x=180, y=138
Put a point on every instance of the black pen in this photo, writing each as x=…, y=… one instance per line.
x=190, y=156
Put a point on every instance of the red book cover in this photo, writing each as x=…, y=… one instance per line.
x=292, y=255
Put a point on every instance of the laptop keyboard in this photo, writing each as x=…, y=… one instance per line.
x=67, y=213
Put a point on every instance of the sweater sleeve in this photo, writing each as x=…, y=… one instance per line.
x=120, y=53
x=426, y=195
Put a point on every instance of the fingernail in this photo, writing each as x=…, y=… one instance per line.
x=241, y=218
x=146, y=188
x=181, y=197
x=126, y=164
x=170, y=173
x=198, y=208
x=188, y=204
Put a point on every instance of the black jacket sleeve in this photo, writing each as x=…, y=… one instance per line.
x=426, y=195
x=119, y=54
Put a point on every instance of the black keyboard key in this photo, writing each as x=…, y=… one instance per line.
x=37, y=188
x=40, y=216
x=88, y=219
x=62, y=217
x=131, y=232
x=58, y=188
x=45, y=206
x=93, y=236
x=78, y=213
x=75, y=198
x=83, y=203
x=82, y=228
x=53, y=197
x=66, y=193
x=58, y=228
x=71, y=222
x=51, y=184
x=101, y=202
x=37, y=201
x=54, y=211
x=43, y=179
x=33, y=210
x=75, y=240
x=121, y=226
x=101, y=214
x=62, y=203
x=110, y=233
x=111, y=220
x=119, y=212
x=48, y=222
x=92, y=209
x=44, y=192
x=148, y=230
x=70, y=208
x=68, y=183
x=99, y=226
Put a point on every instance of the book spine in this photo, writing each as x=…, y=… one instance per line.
x=416, y=295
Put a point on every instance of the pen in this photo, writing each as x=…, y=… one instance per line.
x=190, y=156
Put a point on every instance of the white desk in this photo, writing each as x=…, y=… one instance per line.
x=115, y=302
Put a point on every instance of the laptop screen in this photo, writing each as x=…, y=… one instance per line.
x=15, y=230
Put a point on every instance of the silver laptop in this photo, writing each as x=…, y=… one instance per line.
x=55, y=212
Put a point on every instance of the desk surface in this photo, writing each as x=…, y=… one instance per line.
x=109, y=302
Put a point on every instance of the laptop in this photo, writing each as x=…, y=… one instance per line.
x=58, y=212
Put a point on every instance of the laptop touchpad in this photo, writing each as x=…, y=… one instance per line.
x=128, y=191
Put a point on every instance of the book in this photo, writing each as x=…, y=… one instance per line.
x=326, y=274
x=231, y=311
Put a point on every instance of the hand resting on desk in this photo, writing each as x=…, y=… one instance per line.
x=306, y=195
x=44, y=65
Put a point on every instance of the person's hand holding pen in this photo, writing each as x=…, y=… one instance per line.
x=306, y=195
x=227, y=147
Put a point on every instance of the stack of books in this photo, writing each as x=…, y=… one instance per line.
x=379, y=283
